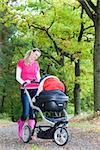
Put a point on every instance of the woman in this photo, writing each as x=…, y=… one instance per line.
x=27, y=70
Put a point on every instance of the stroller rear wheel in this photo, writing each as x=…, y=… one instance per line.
x=61, y=136
x=26, y=134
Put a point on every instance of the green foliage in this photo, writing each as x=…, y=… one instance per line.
x=35, y=147
x=43, y=25
x=70, y=108
x=4, y=116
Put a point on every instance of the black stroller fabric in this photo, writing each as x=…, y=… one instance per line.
x=52, y=100
x=47, y=134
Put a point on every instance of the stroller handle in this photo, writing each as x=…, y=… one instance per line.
x=32, y=81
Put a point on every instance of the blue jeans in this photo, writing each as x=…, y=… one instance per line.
x=27, y=110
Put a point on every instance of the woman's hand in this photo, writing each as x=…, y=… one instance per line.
x=28, y=81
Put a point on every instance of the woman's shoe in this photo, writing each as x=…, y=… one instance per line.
x=20, y=127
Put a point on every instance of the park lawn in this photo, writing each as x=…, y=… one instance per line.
x=86, y=123
x=5, y=122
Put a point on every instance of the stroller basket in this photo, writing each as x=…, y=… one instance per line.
x=53, y=100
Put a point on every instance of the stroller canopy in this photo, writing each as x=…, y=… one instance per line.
x=50, y=82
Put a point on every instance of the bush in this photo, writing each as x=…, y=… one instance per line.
x=4, y=116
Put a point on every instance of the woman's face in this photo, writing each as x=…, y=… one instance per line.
x=34, y=55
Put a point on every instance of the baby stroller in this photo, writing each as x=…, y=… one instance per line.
x=50, y=104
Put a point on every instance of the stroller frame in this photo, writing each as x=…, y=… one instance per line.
x=58, y=126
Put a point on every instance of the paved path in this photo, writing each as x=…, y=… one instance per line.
x=78, y=140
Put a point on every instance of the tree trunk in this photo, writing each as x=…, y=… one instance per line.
x=2, y=102
x=97, y=61
x=77, y=107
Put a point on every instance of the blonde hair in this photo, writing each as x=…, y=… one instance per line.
x=28, y=53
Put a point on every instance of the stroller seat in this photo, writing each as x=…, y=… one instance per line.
x=52, y=100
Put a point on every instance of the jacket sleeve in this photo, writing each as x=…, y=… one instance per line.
x=18, y=75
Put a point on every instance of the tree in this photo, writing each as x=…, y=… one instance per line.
x=7, y=71
x=54, y=28
x=97, y=60
x=93, y=11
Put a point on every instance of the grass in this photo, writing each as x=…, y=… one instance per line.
x=35, y=147
x=4, y=119
x=86, y=126
x=4, y=122
x=86, y=122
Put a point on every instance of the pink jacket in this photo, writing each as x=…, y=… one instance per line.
x=27, y=72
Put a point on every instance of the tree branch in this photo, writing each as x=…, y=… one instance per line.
x=50, y=25
x=88, y=28
x=81, y=32
x=87, y=10
x=46, y=30
x=47, y=2
x=82, y=27
x=58, y=49
x=50, y=57
x=91, y=5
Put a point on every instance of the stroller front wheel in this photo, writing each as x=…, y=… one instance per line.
x=26, y=134
x=60, y=136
